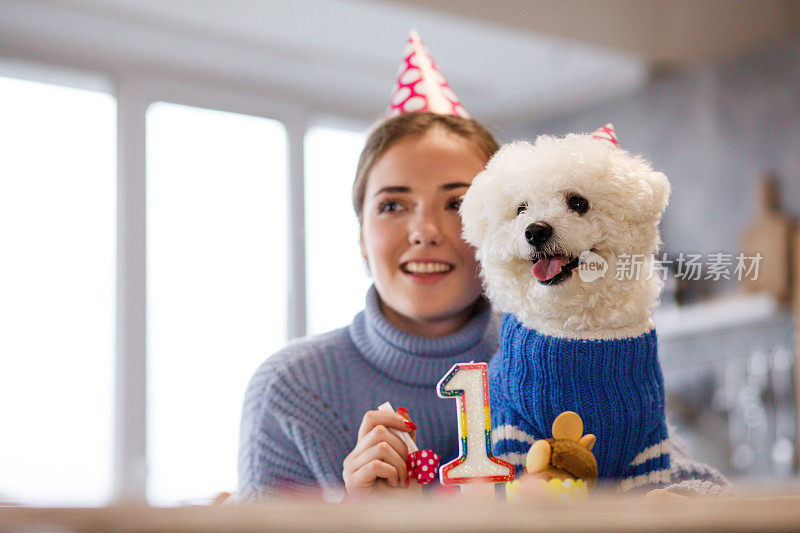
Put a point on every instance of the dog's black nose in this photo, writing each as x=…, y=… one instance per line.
x=537, y=233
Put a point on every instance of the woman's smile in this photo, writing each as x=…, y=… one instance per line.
x=426, y=271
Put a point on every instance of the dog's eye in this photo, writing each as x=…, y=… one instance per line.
x=522, y=207
x=578, y=203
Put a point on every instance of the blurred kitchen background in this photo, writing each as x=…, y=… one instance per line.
x=175, y=206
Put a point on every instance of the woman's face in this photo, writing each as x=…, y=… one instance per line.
x=426, y=275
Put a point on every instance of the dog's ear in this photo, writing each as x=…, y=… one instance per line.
x=661, y=189
x=486, y=200
x=482, y=202
x=651, y=196
x=474, y=220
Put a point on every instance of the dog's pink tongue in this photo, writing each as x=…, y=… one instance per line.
x=546, y=268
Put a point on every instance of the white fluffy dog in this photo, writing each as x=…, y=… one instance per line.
x=546, y=219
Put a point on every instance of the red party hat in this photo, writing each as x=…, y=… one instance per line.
x=606, y=133
x=420, y=86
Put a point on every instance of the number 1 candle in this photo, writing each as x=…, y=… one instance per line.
x=468, y=383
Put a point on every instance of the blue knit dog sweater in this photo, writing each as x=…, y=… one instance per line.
x=615, y=386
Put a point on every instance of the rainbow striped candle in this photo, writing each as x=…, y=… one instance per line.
x=469, y=384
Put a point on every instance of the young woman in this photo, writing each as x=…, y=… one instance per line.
x=309, y=418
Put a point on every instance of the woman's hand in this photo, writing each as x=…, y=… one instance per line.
x=379, y=454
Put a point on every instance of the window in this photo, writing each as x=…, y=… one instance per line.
x=337, y=278
x=216, y=280
x=216, y=229
x=57, y=290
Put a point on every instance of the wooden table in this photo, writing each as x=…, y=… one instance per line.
x=777, y=513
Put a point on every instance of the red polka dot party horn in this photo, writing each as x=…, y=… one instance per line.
x=423, y=465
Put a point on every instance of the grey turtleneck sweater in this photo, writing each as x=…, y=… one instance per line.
x=303, y=406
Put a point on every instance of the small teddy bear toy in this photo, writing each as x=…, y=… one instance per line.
x=567, y=455
x=562, y=466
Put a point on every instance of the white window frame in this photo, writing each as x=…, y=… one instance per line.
x=135, y=91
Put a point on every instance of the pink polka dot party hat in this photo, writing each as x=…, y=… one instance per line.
x=421, y=86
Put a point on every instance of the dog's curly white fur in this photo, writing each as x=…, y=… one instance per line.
x=526, y=183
